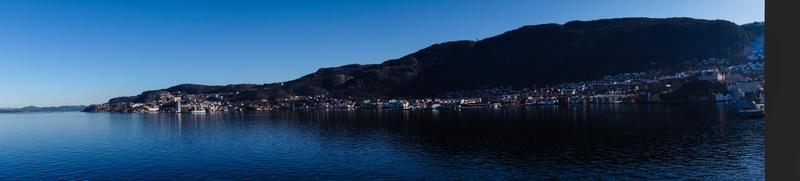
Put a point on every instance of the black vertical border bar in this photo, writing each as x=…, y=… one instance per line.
x=782, y=54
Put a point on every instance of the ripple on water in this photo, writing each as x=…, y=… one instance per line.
x=633, y=142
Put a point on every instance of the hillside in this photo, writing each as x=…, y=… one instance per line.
x=527, y=56
x=43, y=109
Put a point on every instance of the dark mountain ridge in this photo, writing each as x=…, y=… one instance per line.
x=527, y=56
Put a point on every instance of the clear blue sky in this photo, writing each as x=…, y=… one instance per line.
x=66, y=52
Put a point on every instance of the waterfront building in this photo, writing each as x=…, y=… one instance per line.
x=711, y=75
x=178, y=104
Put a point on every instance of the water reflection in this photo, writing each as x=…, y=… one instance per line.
x=576, y=142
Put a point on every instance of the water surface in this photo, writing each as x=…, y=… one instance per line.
x=578, y=142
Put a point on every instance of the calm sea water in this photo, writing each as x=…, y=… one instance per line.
x=581, y=142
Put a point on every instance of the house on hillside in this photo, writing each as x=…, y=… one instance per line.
x=711, y=75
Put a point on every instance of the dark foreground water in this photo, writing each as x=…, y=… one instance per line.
x=623, y=141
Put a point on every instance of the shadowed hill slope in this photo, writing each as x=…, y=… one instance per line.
x=530, y=55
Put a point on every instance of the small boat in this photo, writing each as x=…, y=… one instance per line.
x=542, y=103
x=474, y=105
x=402, y=105
x=198, y=111
x=749, y=109
x=750, y=113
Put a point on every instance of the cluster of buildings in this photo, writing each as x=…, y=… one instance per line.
x=742, y=81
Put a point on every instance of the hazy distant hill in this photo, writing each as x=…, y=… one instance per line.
x=530, y=55
x=43, y=109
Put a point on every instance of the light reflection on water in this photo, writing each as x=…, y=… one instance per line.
x=572, y=142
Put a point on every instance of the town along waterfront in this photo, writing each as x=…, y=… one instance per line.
x=637, y=141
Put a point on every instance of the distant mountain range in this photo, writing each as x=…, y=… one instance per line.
x=43, y=109
x=524, y=57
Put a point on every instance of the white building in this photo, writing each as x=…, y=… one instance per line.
x=711, y=75
x=178, y=104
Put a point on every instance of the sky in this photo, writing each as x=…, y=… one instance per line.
x=80, y=52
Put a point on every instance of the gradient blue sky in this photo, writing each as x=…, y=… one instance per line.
x=66, y=52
